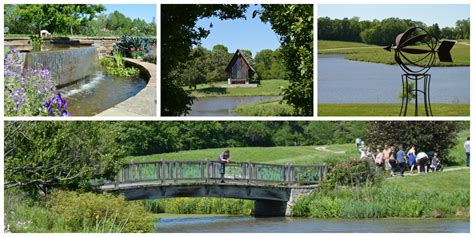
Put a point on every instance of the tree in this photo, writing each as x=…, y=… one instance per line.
x=294, y=25
x=59, y=18
x=426, y=136
x=179, y=31
x=40, y=155
x=435, y=30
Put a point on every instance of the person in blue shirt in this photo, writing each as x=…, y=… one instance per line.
x=401, y=159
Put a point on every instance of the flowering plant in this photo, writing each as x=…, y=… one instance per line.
x=27, y=91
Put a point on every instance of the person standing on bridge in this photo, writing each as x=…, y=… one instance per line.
x=224, y=158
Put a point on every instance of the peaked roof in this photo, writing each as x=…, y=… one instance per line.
x=236, y=55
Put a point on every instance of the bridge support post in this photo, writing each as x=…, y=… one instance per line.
x=266, y=208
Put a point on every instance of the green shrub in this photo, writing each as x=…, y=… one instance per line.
x=326, y=208
x=100, y=212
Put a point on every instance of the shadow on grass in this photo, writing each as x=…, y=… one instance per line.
x=212, y=90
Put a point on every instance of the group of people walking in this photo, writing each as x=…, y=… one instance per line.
x=390, y=158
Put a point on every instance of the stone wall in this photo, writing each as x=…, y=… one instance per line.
x=297, y=193
x=104, y=44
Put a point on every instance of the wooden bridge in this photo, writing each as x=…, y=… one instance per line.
x=272, y=186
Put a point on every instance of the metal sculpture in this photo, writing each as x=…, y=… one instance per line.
x=417, y=61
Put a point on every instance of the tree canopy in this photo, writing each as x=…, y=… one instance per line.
x=71, y=19
x=294, y=25
x=383, y=32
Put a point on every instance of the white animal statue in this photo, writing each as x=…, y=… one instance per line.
x=45, y=33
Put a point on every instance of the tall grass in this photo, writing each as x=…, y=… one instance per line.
x=200, y=206
x=266, y=108
x=390, y=199
x=72, y=212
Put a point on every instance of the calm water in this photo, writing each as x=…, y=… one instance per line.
x=224, y=106
x=98, y=92
x=307, y=225
x=343, y=81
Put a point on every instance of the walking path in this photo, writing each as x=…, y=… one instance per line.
x=444, y=170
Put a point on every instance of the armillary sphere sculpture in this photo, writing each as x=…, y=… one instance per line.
x=415, y=52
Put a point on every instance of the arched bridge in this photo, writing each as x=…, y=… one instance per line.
x=273, y=187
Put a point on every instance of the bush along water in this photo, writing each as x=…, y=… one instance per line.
x=350, y=192
x=30, y=92
x=66, y=211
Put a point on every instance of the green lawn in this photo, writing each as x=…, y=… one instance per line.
x=389, y=110
x=376, y=54
x=277, y=155
x=265, y=108
x=443, y=182
x=266, y=88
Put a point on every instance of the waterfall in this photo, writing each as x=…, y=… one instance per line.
x=65, y=66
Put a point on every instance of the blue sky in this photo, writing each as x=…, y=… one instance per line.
x=250, y=34
x=443, y=14
x=143, y=11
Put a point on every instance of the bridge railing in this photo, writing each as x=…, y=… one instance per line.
x=209, y=171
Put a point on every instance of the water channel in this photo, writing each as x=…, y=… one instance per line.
x=224, y=106
x=309, y=225
x=342, y=81
x=81, y=79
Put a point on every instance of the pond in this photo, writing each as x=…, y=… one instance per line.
x=342, y=81
x=98, y=92
x=309, y=225
x=224, y=106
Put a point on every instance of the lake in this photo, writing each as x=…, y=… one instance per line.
x=309, y=225
x=342, y=81
x=224, y=106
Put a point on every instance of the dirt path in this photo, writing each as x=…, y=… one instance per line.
x=325, y=149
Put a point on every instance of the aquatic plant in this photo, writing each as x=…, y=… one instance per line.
x=27, y=91
x=115, y=66
x=37, y=42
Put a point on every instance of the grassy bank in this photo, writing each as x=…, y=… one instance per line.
x=265, y=108
x=389, y=109
x=444, y=194
x=266, y=88
x=375, y=54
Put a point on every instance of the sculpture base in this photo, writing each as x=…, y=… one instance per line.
x=410, y=93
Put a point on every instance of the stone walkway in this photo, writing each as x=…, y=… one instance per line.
x=144, y=102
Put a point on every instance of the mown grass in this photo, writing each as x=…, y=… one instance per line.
x=390, y=110
x=264, y=108
x=276, y=155
x=266, y=88
x=329, y=44
x=457, y=154
x=367, y=53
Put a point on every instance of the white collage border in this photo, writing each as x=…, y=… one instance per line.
x=245, y=118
